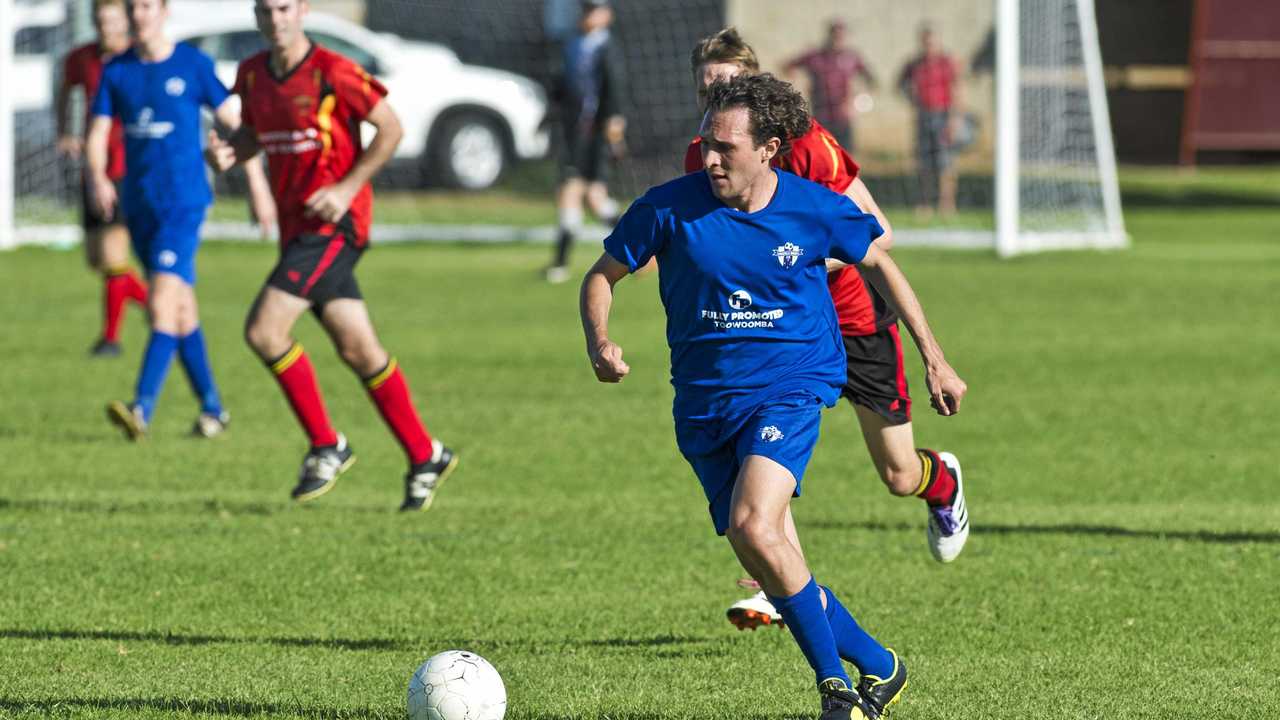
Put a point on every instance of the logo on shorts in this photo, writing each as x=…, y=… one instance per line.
x=771, y=433
x=788, y=254
x=175, y=86
x=294, y=276
x=740, y=300
x=167, y=258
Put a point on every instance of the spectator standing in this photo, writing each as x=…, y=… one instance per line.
x=831, y=71
x=929, y=81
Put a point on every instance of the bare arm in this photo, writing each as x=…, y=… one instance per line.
x=244, y=150
x=104, y=191
x=861, y=196
x=945, y=386
x=331, y=203
x=594, y=302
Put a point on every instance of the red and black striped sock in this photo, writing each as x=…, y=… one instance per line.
x=937, y=485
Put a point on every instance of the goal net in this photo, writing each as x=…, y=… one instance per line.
x=1015, y=155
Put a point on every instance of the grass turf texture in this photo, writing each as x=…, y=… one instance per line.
x=1115, y=446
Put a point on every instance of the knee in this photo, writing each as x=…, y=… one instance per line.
x=365, y=358
x=752, y=533
x=261, y=338
x=899, y=481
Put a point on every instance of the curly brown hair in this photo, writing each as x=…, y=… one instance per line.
x=774, y=107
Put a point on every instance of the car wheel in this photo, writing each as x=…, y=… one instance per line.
x=468, y=152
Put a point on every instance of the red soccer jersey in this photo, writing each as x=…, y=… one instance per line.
x=816, y=156
x=83, y=67
x=308, y=123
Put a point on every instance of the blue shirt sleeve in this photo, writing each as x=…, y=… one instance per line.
x=637, y=237
x=852, y=232
x=102, y=101
x=215, y=93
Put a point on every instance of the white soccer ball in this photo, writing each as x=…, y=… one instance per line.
x=456, y=685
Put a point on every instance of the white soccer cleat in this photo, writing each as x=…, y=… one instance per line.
x=750, y=613
x=948, y=528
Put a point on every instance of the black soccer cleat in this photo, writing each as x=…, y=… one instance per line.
x=879, y=693
x=104, y=348
x=841, y=703
x=321, y=468
x=424, y=479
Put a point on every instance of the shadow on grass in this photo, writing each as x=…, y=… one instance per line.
x=244, y=708
x=215, y=706
x=194, y=505
x=668, y=644
x=1204, y=536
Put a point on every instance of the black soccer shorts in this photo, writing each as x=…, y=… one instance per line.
x=319, y=268
x=877, y=380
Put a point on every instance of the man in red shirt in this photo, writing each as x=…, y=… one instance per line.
x=929, y=81
x=303, y=105
x=831, y=70
x=106, y=239
x=877, y=385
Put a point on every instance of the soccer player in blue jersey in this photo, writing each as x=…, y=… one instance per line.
x=756, y=354
x=157, y=89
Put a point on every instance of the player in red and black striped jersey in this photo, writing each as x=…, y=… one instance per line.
x=876, y=386
x=303, y=105
x=106, y=239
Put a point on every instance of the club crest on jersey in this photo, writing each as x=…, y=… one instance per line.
x=787, y=254
x=175, y=86
x=303, y=101
x=740, y=300
x=771, y=433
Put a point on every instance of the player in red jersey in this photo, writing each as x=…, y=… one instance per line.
x=303, y=104
x=877, y=385
x=106, y=239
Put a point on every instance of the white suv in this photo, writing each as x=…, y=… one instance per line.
x=463, y=123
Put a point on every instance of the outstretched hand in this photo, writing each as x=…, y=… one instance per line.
x=606, y=361
x=219, y=154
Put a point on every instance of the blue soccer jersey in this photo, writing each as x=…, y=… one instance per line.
x=159, y=103
x=749, y=316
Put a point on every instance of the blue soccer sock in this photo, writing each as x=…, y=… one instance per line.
x=854, y=643
x=812, y=632
x=155, y=365
x=195, y=360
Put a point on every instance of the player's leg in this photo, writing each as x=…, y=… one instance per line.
x=948, y=177
x=775, y=445
x=570, y=214
x=168, y=292
x=346, y=319
x=106, y=243
x=268, y=331
x=181, y=237
x=877, y=388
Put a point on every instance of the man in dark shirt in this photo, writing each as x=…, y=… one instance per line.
x=831, y=70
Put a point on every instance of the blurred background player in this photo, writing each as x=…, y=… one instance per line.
x=876, y=384
x=831, y=70
x=106, y=239
x=930, y=82
x=590, y=97
x=753, y=360
x=157, y=88
x=303, y=105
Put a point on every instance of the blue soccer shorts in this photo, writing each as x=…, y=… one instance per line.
x=166, y=239
x=783, y=429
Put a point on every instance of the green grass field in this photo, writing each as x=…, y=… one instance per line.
x=1119, y=447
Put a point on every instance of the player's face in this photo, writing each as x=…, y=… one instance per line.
x=733, y=161
x=713, y=72
x=147, y=19
x=280, y=21
x=112, y=25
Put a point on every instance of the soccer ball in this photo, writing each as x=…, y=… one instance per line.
x=456, y=685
